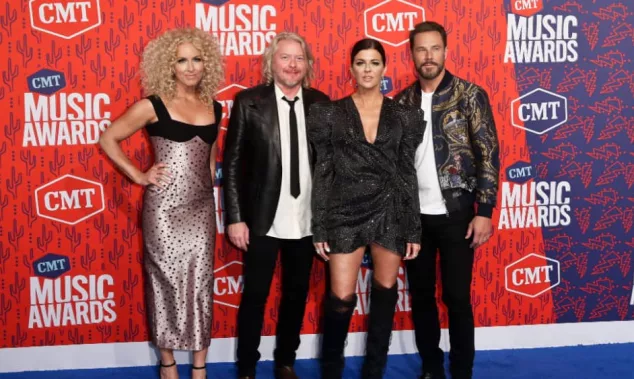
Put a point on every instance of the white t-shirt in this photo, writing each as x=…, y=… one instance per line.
x=429, y=193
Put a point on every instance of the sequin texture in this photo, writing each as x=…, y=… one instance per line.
x=179, y=235
x=365, y=192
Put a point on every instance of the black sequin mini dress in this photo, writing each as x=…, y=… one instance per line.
x=365, y=192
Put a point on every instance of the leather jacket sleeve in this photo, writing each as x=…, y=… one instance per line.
x=232, y=163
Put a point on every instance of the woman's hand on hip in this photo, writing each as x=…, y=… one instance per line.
x=157, y=175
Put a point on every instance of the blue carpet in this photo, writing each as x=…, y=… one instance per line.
x=581, y=362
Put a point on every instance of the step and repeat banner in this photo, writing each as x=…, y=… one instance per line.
x=559, y=74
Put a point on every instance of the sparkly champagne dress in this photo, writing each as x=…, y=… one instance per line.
x=179, y=234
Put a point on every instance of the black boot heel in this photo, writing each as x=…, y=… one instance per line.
x=337, y=315
x=382, y=308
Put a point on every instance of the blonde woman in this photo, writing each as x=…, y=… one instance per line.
x=181, y=71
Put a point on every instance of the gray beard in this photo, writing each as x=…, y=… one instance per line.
x=289, y=84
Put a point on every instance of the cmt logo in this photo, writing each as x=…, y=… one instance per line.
x=539, y=111
x=225, y=97
x=46, y=82
x=520, y=172
x=51, y=266
x=390, y=20
x=228, y=284
x=63, y=18
x=218, y=174
x=69, y=199
x=532, y=275
x=526, y=8
x=367, y=259
x=386, y=85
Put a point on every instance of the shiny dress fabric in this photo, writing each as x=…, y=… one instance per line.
x=179, y=234
x=365, y=192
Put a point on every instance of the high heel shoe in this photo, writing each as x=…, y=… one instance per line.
x=200, y=368
x=382, y=307
x=161, y=365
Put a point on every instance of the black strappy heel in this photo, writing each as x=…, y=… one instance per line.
x=161, y=365
x=200, y=368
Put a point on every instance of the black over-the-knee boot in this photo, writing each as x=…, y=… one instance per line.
x=337, y=315
x=382, y=305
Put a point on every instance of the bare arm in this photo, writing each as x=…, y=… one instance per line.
x=135, y=118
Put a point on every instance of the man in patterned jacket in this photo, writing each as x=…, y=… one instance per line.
x=457, y=166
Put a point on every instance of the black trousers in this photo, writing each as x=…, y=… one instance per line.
x=446, y=235
x=259, y=265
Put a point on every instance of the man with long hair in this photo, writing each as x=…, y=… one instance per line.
x=268, y=182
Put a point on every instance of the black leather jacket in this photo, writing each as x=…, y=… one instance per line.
x=252, y=166
x=465, y=142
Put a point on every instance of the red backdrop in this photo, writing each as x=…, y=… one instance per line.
x=70, y=238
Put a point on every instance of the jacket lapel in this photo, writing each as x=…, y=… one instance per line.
x=308, y=99
x=267, y=108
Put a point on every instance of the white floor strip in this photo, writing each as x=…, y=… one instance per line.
x=223, y=349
